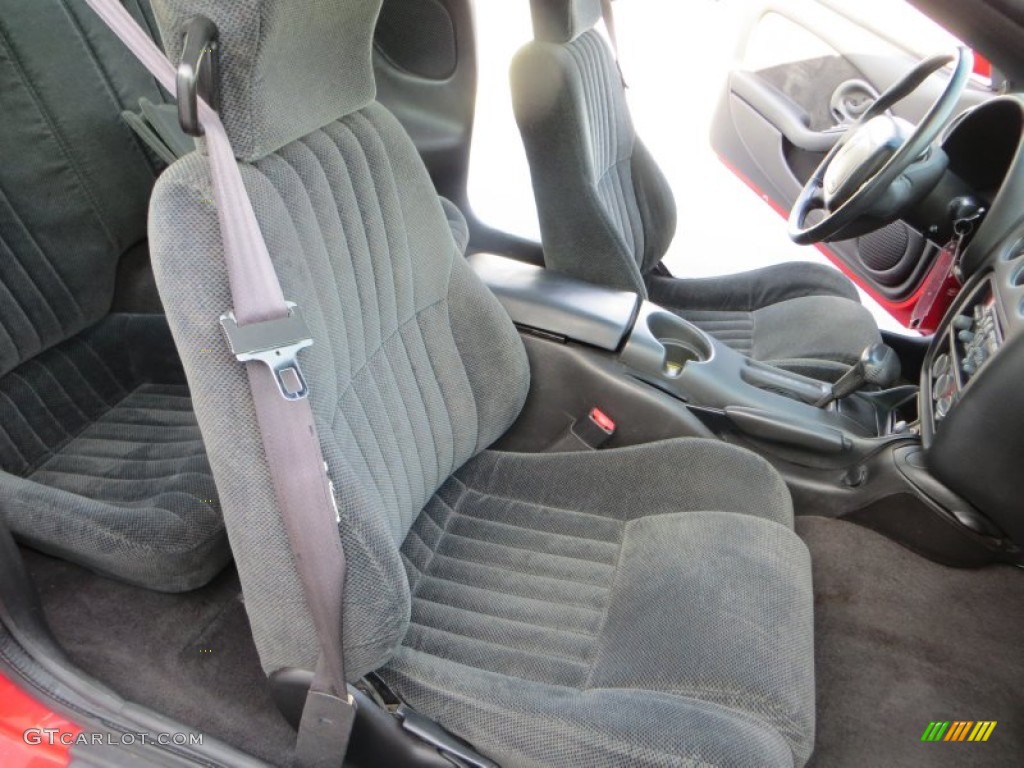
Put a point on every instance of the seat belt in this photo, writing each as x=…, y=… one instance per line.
x=266, y=333
x=608, y=14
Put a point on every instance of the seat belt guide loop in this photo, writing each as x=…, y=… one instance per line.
x=276, y=344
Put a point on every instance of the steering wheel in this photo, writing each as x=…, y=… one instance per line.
x=881, y=164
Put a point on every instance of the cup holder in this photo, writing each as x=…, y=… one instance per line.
x=683, y=342
x=677, y=355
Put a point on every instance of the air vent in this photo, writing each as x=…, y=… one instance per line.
x=1017, y=279
x=1015, y=251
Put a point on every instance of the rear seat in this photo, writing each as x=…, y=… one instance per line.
x=102, y=461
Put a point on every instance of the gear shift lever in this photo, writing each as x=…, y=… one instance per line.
x=878, y=365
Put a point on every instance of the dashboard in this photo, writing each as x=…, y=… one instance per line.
x=972, y=384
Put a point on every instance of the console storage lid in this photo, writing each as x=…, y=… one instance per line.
x=558, y=304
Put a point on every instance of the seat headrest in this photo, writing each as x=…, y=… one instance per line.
x=562, y=21
x=287, y=67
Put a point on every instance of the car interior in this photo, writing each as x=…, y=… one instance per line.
x=588, y=513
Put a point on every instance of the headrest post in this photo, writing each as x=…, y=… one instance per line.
x=198, y=73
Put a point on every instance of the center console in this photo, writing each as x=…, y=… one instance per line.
x=973, y=385
x=723, y=388
x=658, y=376
x=760, y=401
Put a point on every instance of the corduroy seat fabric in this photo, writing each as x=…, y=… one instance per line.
x=571, y=610
x=607, y=214
x=101, y=461
x=643, y=606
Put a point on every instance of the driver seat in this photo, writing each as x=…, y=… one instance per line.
x=607, y=214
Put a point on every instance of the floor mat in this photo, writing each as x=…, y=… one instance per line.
x=189, y=656
x=901, y=642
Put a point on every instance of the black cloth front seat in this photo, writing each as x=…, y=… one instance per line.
x=607, y=214
x=637, y=607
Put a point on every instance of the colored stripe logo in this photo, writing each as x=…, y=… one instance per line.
x=958, y=730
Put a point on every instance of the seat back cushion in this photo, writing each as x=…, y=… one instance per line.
x=74, y=181
x=404, y=388
x=606, y=212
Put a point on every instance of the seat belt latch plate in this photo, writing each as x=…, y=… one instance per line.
x=276, y=344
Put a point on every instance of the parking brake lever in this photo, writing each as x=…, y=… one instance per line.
x=878, y=365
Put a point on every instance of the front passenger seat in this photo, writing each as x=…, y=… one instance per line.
x=607, y=214
x=644, y=606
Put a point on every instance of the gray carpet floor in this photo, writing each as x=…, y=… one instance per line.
x=189, y=656
x=901, y=641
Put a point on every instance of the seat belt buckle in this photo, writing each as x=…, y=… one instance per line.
x=595, y=429
x=275, y=343
x=587, y=433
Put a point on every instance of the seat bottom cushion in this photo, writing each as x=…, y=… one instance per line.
x=802, y=317
x=103, y=462
x=654, y=621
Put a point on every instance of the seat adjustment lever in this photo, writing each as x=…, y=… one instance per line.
x=427, y=730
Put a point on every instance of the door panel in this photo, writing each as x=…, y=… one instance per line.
x=425, y=63
x=807, y=69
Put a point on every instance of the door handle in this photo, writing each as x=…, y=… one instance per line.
x=851, y=100
x=782, y=112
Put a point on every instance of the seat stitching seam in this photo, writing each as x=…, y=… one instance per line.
x=599, y=645
x=97, y=64
x=45, y=261
x=540, y=654
x=424, y=481
x=499, y=617
x=18, y=67
x=446, y=583
x=15, y=300
x=392, y=486
x=28, y=424
x=546, y=505
x=538, y=552
x=563, y=581
x=540, y=532
x=509, y=593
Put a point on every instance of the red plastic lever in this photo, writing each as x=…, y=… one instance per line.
x=603, y=420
